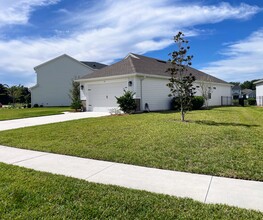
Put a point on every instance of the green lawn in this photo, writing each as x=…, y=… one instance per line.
x=222, y=141
x=8, y=114
x=28, y=194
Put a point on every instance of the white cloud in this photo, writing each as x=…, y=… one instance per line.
x=113, y=29
x=18, y=11
x=242, y=60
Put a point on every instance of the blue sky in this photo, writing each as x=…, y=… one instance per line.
x=226, y=37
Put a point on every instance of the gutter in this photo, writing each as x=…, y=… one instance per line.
x=259, y=81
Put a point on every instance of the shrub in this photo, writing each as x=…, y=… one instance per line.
x=41, y=106
x=126, y=102
x=251, y=101
x=29, y=105
x=76, y=104
x=36, y=105
x=197, y=102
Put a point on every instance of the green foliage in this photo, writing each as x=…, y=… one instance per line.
x=35, y=105
x=249, y=84
x=75, y=96
x=181, y=83
x=235, y=83
x=14, y=94
x=126, y=102
x=25, y=95
x=4, y=95
x=251, y=101
x=175, y=104
x=76, y=105
x=197, y=102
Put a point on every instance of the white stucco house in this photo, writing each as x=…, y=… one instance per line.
x=147, y=78
x=54, y=79
x=259, y=92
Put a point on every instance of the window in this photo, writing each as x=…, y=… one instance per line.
x=209, y=95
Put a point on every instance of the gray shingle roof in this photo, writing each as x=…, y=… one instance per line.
x=247, y=91
x=94, y=65
x=134, y=63
x=236, y=87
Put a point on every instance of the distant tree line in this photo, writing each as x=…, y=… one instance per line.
x=14, y=94
x=247, y=84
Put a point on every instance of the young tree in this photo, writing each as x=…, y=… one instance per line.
x=75, y=96
x=181, y=82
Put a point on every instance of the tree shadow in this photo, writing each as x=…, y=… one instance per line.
x=213, y=123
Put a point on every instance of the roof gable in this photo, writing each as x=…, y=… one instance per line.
x=59, y=57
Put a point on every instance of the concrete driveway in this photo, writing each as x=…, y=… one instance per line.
x=68, y=116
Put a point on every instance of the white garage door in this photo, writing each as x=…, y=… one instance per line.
x=102, y=96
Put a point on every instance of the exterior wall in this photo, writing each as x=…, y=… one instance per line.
x=54, y=81
x=155, y=94
x=150, y=90
x=259, y=94
x=217, y=91
x=137, y=86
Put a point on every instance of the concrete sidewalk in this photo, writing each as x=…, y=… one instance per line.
x=204, y=188
x=41, y=120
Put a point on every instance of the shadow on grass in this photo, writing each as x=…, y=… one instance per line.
x=213, y=123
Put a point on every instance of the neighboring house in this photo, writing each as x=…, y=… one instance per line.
x=236, y=92
x=259, y=92
x=147, y=78
x=248, y=93
x=54, y=80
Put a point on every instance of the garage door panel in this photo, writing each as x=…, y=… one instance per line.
x=102, y=96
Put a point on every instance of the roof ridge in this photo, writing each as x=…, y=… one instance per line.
x=132, y=64
x=151, y=58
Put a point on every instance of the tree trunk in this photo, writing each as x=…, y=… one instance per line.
x=182, y=112
x=182, y=116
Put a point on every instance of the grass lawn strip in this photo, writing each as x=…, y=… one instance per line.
x=9, y=114
x=222, y=141
x=28, y=194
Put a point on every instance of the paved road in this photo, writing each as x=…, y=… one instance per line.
x=204, y=188
x=26, y=122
